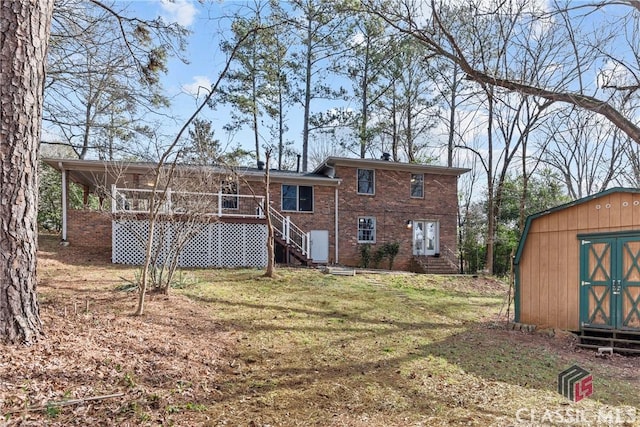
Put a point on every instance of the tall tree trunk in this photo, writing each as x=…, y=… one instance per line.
x=271, y=258
x=24, y=33
x=452, y=115
x=491, y=218
x=307, y=99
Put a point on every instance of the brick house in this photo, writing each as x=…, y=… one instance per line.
x=321, y=217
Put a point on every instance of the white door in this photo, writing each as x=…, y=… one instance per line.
x=425, y=238
x=319, y=246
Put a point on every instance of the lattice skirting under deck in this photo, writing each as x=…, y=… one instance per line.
x=203, y=245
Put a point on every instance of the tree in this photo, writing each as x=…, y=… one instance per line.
x=165, y=168
x=320, y=27
x=103, y=75
x=24, y=33
x=580, y=54
x=279, y=67
x=246, y=81
x=364, y=65
x=409, y=102
x=587, y=154
x=271, y=257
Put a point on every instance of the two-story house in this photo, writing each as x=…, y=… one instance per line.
x=321, y=217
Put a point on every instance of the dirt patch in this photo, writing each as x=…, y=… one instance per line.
x=161, y=368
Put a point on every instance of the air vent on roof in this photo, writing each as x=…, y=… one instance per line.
x=386, y=156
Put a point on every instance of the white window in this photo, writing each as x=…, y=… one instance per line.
x=366, y=181
x=417, y=185
x=366, y=229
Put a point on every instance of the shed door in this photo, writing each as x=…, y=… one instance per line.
x=610, y=283
x=628, y=286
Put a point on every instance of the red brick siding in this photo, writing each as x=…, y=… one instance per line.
x=322, y=217
x=89, y=228
x=392, y=207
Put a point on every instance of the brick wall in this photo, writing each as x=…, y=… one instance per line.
x=322, y=217
x=392, y=207
x=89, y=228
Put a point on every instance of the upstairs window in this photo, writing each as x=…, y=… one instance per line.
x=366, y=182
x=417, y=185
x=297, y=198
x=366, y=229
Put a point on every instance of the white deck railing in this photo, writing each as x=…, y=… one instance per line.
x=289, y=232
x=138, y=201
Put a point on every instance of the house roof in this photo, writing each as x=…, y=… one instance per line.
x=577, y=202
x=102, y=174
x=331, y=162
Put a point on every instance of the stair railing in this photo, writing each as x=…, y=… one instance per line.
x=449, y=255
x=289, y=232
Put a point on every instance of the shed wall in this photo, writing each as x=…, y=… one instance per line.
x=550, y=262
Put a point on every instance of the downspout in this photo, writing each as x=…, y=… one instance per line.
x=64, y=202
x=335, y=226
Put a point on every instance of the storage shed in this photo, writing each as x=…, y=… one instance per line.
x=578, y=268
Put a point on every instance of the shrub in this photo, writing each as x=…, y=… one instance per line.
x=378, y=256
x=365, y=255
x=391, y=251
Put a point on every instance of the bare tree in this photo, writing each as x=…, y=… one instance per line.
x=577, y=51
x=587, y=153
x=102, y=86
x=271, y=259
x=165, y=169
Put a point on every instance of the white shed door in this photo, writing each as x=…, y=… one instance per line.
x=319, y=245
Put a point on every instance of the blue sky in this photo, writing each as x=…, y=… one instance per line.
x=209, y=23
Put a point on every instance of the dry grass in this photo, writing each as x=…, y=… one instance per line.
x=232, y=348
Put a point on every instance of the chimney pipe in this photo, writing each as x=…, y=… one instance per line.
x=298, y=165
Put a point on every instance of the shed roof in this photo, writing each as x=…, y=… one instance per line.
x=577, y=202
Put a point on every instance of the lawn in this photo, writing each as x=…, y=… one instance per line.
x=230, y=347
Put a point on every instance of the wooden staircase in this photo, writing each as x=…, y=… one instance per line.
x=294, y=242
x=291, y=251
x=432, y=265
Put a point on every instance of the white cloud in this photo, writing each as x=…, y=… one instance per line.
x=179, y=11
x=200, y=86
x=613, y=74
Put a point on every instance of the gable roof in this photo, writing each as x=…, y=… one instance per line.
x=577, y=202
